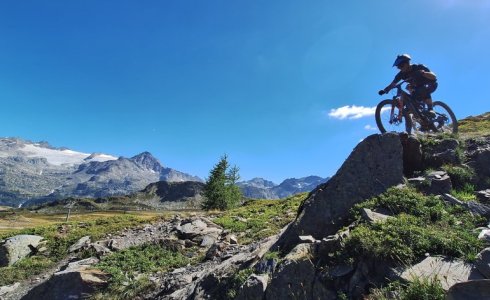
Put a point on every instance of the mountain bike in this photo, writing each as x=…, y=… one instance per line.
x=392, y=116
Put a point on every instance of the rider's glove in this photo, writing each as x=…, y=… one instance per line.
x=381, y=92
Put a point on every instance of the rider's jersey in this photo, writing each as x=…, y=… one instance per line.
x=415, y=77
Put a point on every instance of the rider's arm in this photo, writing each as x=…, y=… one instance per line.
x=390, y=86
x=429, y=75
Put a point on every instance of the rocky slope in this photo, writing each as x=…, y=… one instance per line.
x=403, y=217
x=37, y=172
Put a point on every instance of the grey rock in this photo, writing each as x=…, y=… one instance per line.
x=440, y=183
x=306, y=239
x=373, y=166
x=440, y=152
x=478, y=156
x=447, y=271
x=412, y=154
x=483, y=196
x=74, y=282
x=207, y=241
x=484, y=235
x=470, y=290
x=452, y=200
x=341, y=270
x=17, y=247
x=373, y=217
x=254, y=288
x=482, y=262
x=83, y=242
x=7, y=289
x=287, y=275
x=477, y=208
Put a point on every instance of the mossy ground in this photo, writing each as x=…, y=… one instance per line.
x=257, y=219
x=60, y=237
x=475, y=126
x=420, y=224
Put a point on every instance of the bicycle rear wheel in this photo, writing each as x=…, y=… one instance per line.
x=387, y=120
x=445, y=120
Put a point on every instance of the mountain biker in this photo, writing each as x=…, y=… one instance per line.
x=422, y=82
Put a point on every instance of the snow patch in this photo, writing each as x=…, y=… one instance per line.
x=60, y=157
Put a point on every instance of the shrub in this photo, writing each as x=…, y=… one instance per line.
x=460, y=175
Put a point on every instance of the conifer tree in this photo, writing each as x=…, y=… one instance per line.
x=220, y=190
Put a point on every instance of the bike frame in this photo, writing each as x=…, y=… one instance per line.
x=412, y=106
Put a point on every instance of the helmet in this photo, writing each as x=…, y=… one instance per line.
x=401, y=59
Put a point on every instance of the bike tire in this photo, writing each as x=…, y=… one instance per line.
x=382, y=121
x=453, y=125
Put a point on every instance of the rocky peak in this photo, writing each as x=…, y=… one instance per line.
x=148, y=161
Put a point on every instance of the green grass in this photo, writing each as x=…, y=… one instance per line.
x=460, y=175
x=475, y=126
x=260, y=218
x=24, y=269
x=421, y=224
x=59, y=238
x=418, y=289
x=129, y=269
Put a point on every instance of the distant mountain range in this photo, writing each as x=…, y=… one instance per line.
x=36, y=172
x=259, y=188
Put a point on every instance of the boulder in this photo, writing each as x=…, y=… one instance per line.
x=196, y=228
x=412, y=154
x=482, y=262
x=76, y=281
x=373, y=166
x=440, y=183
x=17, y=247
x=470, y=290
x=80, y=244
x=440, y=152
x=373, y=217
x=483, y=196
x=447, y=271
x=478, y=156
x=7, y=289
x=294, y=276
x=477, y=208
x=254, y=288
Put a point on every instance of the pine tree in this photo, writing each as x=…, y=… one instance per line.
x=221, y=191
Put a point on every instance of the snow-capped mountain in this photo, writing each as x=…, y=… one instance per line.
x=41, y=172
x=259, y=188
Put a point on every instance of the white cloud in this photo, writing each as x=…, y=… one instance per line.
x=351, y=112
x=369, y=127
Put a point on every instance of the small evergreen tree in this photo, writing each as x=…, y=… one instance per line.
x=220, y=190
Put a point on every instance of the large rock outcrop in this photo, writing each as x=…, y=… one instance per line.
x=17, y=247
x=373, y=166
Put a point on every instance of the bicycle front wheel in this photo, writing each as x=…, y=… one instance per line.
x=445, y=120
x=388, y=120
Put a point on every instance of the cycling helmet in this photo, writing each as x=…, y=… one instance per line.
x=401, y=59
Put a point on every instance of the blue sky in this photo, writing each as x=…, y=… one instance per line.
x=191, y=80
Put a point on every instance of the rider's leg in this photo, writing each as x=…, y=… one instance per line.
x=401, y=100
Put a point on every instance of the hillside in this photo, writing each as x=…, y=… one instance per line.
x=403, y=218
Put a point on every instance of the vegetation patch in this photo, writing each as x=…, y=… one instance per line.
x=24, y=269
x=59, y=238
x=129, y=269
x=258, y=219
x=419, y=289
x=421, y=224
x=235, y=282
x=460, y=175
x=475, y=126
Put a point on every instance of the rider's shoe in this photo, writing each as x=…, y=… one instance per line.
x=432, y=113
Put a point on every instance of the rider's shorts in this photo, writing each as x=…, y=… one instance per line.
x=423, y=92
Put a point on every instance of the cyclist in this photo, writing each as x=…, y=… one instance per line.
x=422, y=82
